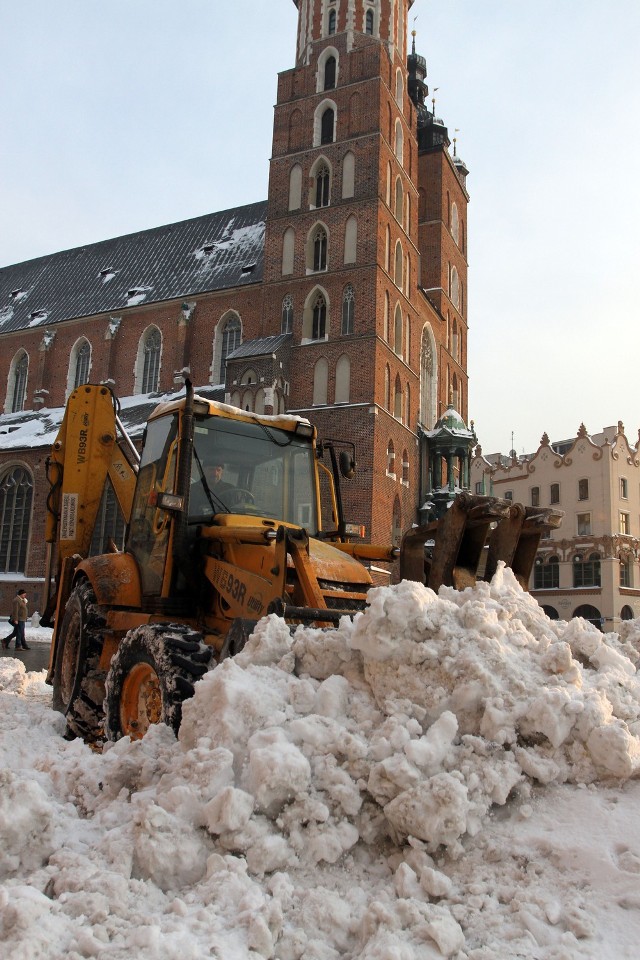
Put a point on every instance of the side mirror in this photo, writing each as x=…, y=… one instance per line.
x=347, y=465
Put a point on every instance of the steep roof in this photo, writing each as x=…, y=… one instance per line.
x=213, y=252
x=260, y=347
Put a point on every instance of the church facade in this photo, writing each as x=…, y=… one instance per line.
x=342, y=298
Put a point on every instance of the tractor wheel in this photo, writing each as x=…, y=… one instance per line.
x=152, y=673
x=78, y=681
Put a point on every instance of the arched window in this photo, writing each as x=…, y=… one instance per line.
x=391, y=458
x=399, y=141
x=397, y=331
x=18, y=373
x=397, y=399
x=368, y=23
x=385, y=329
x=323, y=181
x=288, y=251
x=399, y=199
x=398, y=265
x=148, y=361
x=320, y=382
x=546, y=576
x=455, y=224
x=590, y=613
x=455, y=395
x=387, y=388
x=351, y=240
x=331, y=23
x=389, y=179
x=399, y=87
x=230, y=341
x=330, y=73
x=387, y=250
x=455, y=288
x=428, y=378
x=407, y=404
x=319, y=249
x=79, y=364
x=295, y=187
x=248, y=377
x=343, y=379
x=407, y=205
x=586, y=573
x=454, y=340
x=405, y=468
x=287, y=314
x=407, y=339
x=348, y=175
x=260, y=400
x=626, y=613
x=348, y=309
x=247, y=400
x=407, y=275
x=16, y=494
x=327, y=125
x=319, y=319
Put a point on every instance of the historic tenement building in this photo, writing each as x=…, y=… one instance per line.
x=589, y=567
x=342, y=297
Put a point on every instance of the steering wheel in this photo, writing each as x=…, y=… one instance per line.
x=240, y=495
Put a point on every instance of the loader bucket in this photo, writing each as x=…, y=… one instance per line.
x=515, y=540
x=457, y=539
x=451, y=550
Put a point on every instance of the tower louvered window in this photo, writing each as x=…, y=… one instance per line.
x=320, y=250
x=369, y=22
x=287, y=314
x=331, y=22
x=322, y=187
x=348, y=309
x=326, y=126
x=330, y=73
x=16, y=494
x=319, y=318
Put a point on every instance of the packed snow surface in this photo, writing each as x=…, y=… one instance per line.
x=447, y=776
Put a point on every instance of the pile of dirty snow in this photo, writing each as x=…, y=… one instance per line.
x=450, y=775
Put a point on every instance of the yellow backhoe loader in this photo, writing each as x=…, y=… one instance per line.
x=226, y=515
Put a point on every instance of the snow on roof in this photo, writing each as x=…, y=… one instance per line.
x=452, y=776
x=163, y=263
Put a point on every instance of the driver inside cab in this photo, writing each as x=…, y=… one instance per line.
x=199, y=501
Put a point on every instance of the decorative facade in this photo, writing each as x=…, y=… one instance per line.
x=342, y=298
x=590, y=566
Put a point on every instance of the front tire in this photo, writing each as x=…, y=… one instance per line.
x=78, y=681
x=151, y=675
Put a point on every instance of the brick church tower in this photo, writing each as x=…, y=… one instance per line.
x=365, y=244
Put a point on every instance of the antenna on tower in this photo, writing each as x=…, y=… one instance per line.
x=433, y=101
x=455, y=139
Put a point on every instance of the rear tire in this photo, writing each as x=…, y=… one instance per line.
x=78, y=681
x=151, y=675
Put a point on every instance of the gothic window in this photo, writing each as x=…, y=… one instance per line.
x=79, y=364
x=327, y=126
x=295, y=187
x=408, y=213
x=323, y=181
x=456, y=395
x=455, y=224
x=247, y=400
x=428, y=378
x=320, y=382
x=343, y=379
x=399, y=199
x=368, y=22
x=287, y=314
x=387, y=388
x=397, y=331
x=399, y=141
x=399, y=87
x=407, y=404
x=260, y=400
x=405, y=468
x=407, y=275
x=398, y=265
x=16, y=494
x=331, y=26
x=231, y=340
x=288, y=251
x=351, y=240
x=455, y=288
x=391, y=458
x=17, y=393
x=397, y=399
x=385, y=330
x=407, y=339
x=387, y=250
x=454, y=340
x=148, y=361
x=330, y=73
x=248, y=377
x=320, y=249
x=348, y=309
x=348, y=175
x=319, y=318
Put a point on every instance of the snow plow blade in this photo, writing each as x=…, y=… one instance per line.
x=451, y=551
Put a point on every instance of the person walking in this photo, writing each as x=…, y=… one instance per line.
x=19, y=619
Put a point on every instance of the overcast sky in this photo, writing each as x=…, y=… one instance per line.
x=126, y=114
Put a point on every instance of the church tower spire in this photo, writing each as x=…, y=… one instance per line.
x=343, y=249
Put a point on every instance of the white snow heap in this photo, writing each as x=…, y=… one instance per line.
x=330, y=792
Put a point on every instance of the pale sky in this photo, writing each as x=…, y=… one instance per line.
x=124, y=115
